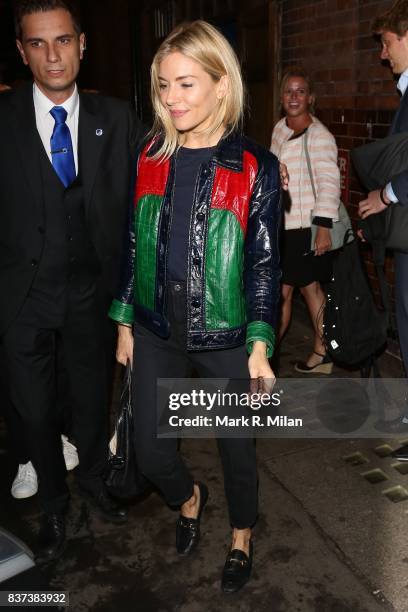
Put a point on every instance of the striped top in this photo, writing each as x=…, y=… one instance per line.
x=301, y=206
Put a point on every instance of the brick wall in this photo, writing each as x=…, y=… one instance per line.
x=356, y=93
x=10, y=64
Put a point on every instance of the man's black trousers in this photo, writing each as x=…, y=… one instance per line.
x=30, y=347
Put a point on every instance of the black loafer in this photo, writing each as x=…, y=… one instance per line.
x=237, y=570
x=188, y=529
x=51, y=538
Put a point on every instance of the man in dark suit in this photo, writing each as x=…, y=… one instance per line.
x=64, y=176
x=392, y=27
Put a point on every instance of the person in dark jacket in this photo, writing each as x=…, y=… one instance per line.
x=201, y=271
x=392, y=27
x=64, y=174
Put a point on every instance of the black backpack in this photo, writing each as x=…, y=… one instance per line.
x=354, y=329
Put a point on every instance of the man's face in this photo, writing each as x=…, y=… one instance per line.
x=53, y=50
x=395, y=50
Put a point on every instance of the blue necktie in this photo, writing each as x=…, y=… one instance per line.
x=61, y=147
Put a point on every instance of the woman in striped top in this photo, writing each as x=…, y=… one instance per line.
x=313, y=197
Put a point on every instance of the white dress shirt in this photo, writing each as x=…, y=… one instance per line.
x=45, y=121
x=402, y=86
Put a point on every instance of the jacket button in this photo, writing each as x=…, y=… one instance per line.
x=196, y=303
x=70, y=238
x=196, y=261
x=41, y=229
x=34, y=262
x=200, y=216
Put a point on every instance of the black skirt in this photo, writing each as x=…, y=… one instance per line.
x=300, y=269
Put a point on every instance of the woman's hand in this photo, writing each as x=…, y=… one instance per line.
x=284, y=176
x=258, y=366
x=361, y=235
x=323, y=240
x=124, y=350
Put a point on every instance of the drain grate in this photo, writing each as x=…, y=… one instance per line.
x=401, y=467
x=355, y=459
x=375, y=476
x=383, y=451
x=396, y=494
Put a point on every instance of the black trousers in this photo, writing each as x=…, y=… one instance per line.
x=17, y=443
x=30, y=347
x=401, y=298
x=159, y=459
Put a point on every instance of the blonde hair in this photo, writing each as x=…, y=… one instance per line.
x=299, y=71
x=201, y=42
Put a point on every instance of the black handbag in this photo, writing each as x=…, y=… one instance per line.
x=354, y=329
x=123, y=478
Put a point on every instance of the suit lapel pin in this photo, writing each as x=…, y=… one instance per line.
x=99, y=132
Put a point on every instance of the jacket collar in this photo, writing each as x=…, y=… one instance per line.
x=228, y=154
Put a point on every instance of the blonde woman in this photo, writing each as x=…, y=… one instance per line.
x=309, y=152
x=201, y=279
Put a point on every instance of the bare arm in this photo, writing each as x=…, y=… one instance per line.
x=124, y=350
x=258, y=366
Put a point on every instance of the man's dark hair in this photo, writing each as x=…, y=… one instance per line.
x=28, y=7
x=394, y=20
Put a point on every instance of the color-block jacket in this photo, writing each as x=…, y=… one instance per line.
x=233, y=258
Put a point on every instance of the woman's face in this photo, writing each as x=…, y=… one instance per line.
x=296, y=98
x=190, y=95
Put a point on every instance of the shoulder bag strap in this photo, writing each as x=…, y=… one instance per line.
x=309, y=165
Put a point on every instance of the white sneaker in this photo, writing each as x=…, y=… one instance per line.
x=70, y=454
x=25, y=483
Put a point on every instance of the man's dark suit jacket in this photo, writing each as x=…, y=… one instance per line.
x=386, y=160
x=400, y=124
x=107, y=138
x=382, y=160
